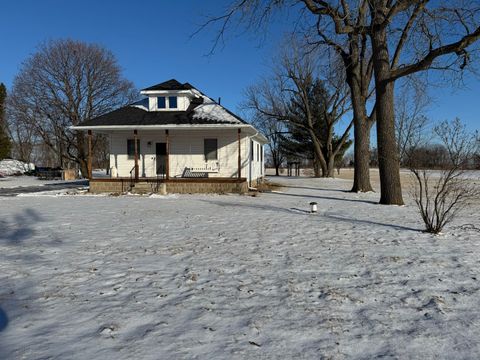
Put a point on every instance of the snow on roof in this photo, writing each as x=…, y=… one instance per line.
x=211, y=110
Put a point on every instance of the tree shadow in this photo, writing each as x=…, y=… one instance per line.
x=256, y=206
x=304, y=212
x=315, y=188
x=14, y=233
x=3, y=320
x=328, y=197
x=22, y=228
x=369, y=222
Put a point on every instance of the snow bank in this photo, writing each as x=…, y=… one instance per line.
x=9, y=167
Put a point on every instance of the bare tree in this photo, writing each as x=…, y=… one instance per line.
x=353, y=50
x=23, y=139
x=441, y=195
x=405, y=37
x=410, y=121
x=64, y=83
x=273, y=129
x=288, y=97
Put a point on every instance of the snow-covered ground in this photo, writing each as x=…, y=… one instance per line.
x=235, y=277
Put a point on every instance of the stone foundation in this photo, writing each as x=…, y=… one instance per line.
x=176, y=186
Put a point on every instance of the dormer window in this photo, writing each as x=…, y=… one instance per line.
x=161, y=102
x=164, y=102
x=172, y=102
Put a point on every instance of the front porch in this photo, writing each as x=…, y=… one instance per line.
x=166, y=186
x=176, y=157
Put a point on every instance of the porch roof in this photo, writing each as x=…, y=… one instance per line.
x=136, y=116
x=247, y=128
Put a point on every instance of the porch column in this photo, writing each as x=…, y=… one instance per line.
x=239, y=155
x=135, y=139
x=89, y=161
x=167, y=155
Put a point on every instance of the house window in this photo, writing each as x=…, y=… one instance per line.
x=172, y=102
x=210, y=149
x=258, y=152
x=251, y=151
x=131, y=148
x=161, y=103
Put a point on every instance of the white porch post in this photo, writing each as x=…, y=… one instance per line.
x=239, y=155
x=167, y=160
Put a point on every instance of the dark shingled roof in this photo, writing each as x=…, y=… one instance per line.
x=170, y=85
x=132, y=116
x=199, y=112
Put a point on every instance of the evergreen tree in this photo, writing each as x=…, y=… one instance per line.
x=298, y=143
x=5, y=144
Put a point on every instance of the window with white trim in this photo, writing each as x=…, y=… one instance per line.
x=210, y=148
x=131, y=148
x=172, y=102
x=161, y=102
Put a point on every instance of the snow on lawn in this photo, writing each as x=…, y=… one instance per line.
x=236, y=277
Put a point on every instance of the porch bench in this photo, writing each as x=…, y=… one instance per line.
x=207, y=168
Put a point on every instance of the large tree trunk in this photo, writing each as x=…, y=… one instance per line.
x=361, y=123
x=388, y=162
x=361, y=175
x=276, y=163
x=331, y=167
x=361, y=133
x=320, y=159
x=330, y=158
x=317, y=171
x=83, y=168
x=82, y=153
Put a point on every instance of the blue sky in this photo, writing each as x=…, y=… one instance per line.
x=151, y=40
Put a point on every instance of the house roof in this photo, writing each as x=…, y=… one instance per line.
x=133, y=115
x=171, y=84
x=202, y=111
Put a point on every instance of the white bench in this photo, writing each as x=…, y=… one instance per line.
x=207, y=168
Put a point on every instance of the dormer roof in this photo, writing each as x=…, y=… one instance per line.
x=171, y=84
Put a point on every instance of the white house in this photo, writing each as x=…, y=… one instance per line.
x=179, y=140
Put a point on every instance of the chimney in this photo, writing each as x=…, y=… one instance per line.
x=219, y=100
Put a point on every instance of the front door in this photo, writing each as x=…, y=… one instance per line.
x=161, y=156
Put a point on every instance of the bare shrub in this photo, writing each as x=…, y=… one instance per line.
x=440, y=195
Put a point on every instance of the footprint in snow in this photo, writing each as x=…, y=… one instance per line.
x=435, y=304
x=108, y=331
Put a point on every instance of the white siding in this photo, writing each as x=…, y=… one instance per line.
x=256, y=163
x=186, y=150
x=183, y=101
